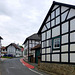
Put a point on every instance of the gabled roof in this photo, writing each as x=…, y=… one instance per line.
x=13, y=44
x=32, y=37
x=1, y=37
x=54, y=3
x=3, y=48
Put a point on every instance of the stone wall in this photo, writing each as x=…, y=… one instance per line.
x=57, y=69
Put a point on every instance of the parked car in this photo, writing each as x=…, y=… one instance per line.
x=5, y=55
x=10, y=55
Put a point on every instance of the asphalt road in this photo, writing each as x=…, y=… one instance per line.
x=15, y=67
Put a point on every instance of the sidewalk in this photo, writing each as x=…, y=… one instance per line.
x=26, y=64
x=35, y=67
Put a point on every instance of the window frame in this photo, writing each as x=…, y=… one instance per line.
x=53, y=41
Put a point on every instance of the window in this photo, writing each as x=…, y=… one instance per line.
x=56, y=42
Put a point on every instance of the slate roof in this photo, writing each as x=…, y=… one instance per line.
x=54, y=3
x=32, y=37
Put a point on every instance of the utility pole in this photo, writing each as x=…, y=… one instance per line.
x=0, y=46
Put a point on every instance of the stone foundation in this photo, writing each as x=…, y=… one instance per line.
x=57, y=69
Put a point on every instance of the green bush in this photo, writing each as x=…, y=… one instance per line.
x=6, y=57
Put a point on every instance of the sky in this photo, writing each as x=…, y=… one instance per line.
x=22, y=18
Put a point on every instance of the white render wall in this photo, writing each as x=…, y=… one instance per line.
x=72, y=57
x=14, y=51
x=33, y=53
x=48, y=57
x=64, y=57
x=11, y=50
x=55, y=57
x=71, y=14
x=56, y=31
x=64, y=48
x=65, y=27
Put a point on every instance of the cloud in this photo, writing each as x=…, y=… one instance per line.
x=22, y=18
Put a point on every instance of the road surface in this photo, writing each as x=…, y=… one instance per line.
x=15, y=67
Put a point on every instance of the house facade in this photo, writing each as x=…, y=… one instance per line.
x=14, y=50
x=58, y=34
x=29, y=43
x=3, y=51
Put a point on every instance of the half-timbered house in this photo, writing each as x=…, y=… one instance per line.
x=58, y=34
x=29, y=43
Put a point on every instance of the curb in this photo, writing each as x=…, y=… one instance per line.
x=26, y=64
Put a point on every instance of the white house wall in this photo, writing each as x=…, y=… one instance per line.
x=55, y=7
x=72, y=57
x=56, y=51
x=56, y=31
x=72, y=25
x=55, y=57
x=43, y=57
x=43, y=51
x=48, y=25
x=64, y=48
x=72, y=47
x=48, y=19
x=48, y=34
x=57, y=20
x=14, y=51
x=65, y=27
x=33, y=52
x=63, y=9
x=57, y=12
x=48, y=50
x=71, y=13
x=44, y=28
x=11, y=50
x=52, y=23
x=64, y=57
x=48, y=57
x=63, y=16
x=72, y=37
x=65, y=38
